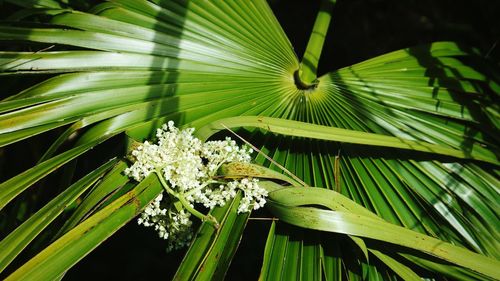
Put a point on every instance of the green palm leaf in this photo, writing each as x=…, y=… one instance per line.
x=128, y=66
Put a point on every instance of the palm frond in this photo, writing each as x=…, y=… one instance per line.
x=128, y=66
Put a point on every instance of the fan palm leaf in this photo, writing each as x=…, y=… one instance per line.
x=127, y=66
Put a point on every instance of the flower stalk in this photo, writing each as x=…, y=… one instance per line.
x=306, y=77
x=208, y=218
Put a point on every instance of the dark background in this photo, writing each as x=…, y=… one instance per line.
x=360, y=29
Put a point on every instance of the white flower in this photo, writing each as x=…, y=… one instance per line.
x=252, y=193
x=189, y=168
x=168, y=222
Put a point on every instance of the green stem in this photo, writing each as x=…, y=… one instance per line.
x=193, y=191
x=185, y=203
x=208, y=218
x=306, y=77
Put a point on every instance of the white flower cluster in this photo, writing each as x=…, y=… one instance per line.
x=189, y=168
x=169, y=223
x=253, y=193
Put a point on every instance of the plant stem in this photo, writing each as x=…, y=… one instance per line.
x=306, y=78
x=193, y=191
x=185, y=203
x=208, y=218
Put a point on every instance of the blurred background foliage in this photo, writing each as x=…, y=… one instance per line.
x=361, y=29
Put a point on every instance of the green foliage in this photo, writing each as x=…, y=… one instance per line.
x=404, y=145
